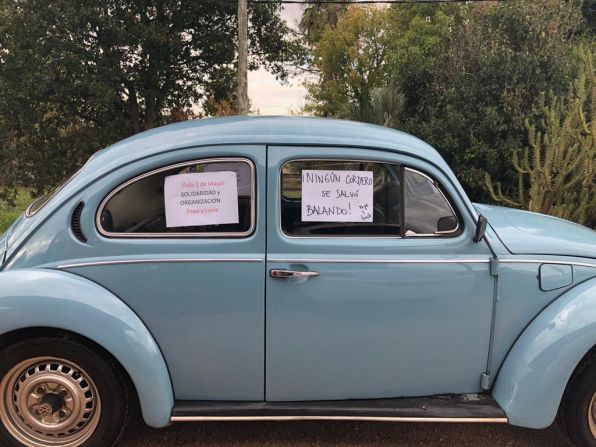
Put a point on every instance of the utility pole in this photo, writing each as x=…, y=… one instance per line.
x=242, y=93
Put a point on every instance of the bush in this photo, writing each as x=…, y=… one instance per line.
x=9, y=213
x=557, y=171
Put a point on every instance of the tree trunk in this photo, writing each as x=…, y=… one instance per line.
x=132, y=108
x=242, y=57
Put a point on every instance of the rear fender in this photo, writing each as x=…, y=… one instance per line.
x=48, y=298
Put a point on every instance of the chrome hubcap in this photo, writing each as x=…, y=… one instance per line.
x=49, y=402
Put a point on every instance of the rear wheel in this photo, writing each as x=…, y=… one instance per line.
x=578, y=410
x=59, y=393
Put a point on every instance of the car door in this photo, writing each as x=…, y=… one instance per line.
x=195, y=275
x=374, y=286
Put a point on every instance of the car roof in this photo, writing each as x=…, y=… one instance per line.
x=255, y=130
x=266, y=130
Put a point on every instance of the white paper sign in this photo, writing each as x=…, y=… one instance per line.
x=242, y=171
x=337, y=196
x=207, y=198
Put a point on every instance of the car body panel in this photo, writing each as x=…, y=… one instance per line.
x=175, y=138
x=210, y=331
x=381, y=334
x=514, y=310
x=48, y=298
x=369, y=328
x=177, y=286
x=524, y=232
x=56, y=245
x=555, y=276
x=386, y=318
x=536, y=371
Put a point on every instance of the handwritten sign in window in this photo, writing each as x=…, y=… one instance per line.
x=337, y=196
x=208, y=198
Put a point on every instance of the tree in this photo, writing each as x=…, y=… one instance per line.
x=470, y=75
x=589, y=12
x=351, y=60
x=498, y=63
x=385, y=108
x=557, y=172
x=76, y=75
x=418, y=36
x=316, y=17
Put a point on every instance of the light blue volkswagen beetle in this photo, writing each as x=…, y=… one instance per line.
x=288, y=268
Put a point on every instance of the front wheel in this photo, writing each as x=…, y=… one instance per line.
x=578, y=410
x=59, y=393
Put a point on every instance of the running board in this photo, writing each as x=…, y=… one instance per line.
x=463, y=408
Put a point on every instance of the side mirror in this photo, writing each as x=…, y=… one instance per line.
x=480, y=228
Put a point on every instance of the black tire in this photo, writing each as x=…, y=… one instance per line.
x=109, y=416
x=575, y=407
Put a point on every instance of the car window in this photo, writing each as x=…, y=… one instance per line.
x=198, y=198
x=427, y=211
x=364, y=194
x=338, y=198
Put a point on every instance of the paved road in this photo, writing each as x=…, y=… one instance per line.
x=340, y=434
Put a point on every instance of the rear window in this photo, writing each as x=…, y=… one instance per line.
x=199, y=198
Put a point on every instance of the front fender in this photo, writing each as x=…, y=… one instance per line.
x=49, y=298
x=531, y=382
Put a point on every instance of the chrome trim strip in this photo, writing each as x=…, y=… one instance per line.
x=157, y=261
x=426, y=261
x=182, y=235
x=380, y=261
x=549, y=261
x=466, y=420
x=321, y=261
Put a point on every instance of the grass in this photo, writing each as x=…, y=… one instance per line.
x=8, y=214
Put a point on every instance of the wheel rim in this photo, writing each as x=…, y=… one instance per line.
x=592, y=416
x=48, y=401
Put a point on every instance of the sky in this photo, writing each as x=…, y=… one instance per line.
x=267, y=95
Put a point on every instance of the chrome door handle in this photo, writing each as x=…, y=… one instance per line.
x=291, y=274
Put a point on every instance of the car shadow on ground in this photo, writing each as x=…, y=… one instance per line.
x=343, y=434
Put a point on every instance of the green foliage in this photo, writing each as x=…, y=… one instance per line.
x=316, y=17
x=385, y=107
x=370, y=48
x=589, y=12
x=499, y=62
x=10, y=211
x=77, y=75
x=351, y=60
x=557, y=172
x=418, y=35
x=470, y=76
